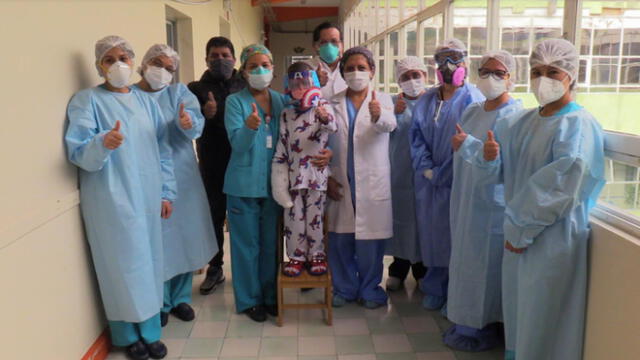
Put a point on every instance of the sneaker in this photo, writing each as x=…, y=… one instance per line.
x=371, y=304
x=137, y=351
x=214, y=277
x=433, y=302
x=157, y=350
x=338, y=301
x=183, y=312
x=256, y=313
x=394, y=283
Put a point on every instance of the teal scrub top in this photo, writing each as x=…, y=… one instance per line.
x=249, y=170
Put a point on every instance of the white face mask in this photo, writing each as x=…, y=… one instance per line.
x=260, y=81
x=413, y=87
x=357, y=80
x=118, y=75
x=547, y=90
x=157, y=77
x=491, y=88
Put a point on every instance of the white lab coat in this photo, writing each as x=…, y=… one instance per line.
x=373, y=218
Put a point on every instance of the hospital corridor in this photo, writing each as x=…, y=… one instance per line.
x=320, y=180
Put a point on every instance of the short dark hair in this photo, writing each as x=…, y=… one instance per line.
x=299, y=66
x=220, y=41
x=325, y=25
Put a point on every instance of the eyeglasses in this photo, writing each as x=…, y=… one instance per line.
x=496, y=74
x=452, y=56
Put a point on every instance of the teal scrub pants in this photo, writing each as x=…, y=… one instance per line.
x=177, y=291
x=125, y=333
x=253, y=231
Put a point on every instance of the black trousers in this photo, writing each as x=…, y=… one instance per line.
x=399, y=268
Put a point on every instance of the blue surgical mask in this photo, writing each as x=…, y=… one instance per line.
x=329, y=53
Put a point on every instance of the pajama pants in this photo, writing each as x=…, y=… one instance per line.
x=303, y=226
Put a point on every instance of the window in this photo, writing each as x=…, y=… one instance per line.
x=609, y=69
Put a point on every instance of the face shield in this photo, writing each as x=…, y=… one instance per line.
x=299, y=82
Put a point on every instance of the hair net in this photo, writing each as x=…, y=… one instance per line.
x=157, y=50
x=109, y=42
x=558, y=53
x=254, y=49
x=357, y=50
x=409, y=63
x=452, y=44
x=506, y=59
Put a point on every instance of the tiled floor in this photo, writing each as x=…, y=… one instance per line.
x=401, y=331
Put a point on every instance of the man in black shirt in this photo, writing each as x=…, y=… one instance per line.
x=218, y=81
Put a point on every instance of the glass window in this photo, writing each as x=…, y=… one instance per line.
x=521, y=27
x=470, y=25
x=412, y=45
x=623, y=187
x=393, y=43
x=433, y=33
x=610, y=70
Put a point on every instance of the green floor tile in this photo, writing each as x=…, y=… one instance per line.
x=427, y=342
x=202, y=348
x=385, y=325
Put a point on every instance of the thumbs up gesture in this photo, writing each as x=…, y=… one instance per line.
x=185, y=119
x=401, y=105
x=491, y=147
x=374, y=108
x=114, y=138
x=458, y=138
x=210, y=107
x=253, y=121
x=323, y=77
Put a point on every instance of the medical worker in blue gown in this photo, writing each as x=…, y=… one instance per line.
x=411, y=75
x=189, y=238
x=359, y=210
x=118, y=138
x=477, y=214
x=434, y=123
x=551, y=160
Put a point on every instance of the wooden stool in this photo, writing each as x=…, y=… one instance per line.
x=304, y=280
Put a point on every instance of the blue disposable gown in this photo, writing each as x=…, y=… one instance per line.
x=188, y=236
x=553, y=171
x=434, y=123
x=404, y=243
x=477, y=215
x=121, y=192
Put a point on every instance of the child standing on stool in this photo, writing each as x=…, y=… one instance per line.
x=298, y=186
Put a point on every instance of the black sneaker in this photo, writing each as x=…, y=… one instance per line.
x=271, y=310
x=256, y=313
x=183, y=312
x=164, y=318
x=212, y=280
x=157, y=350
x=137, y=351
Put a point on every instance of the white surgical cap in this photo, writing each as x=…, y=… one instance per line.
x=506, y=59
x=409, y=63
x=453, y=44
x=157, y=50
x=109, y=42
x=558, y=53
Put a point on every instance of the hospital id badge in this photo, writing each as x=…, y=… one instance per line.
x=269, y=141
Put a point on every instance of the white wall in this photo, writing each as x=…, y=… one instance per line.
x=49, y=294
x=613, y=310
x=281, y=46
